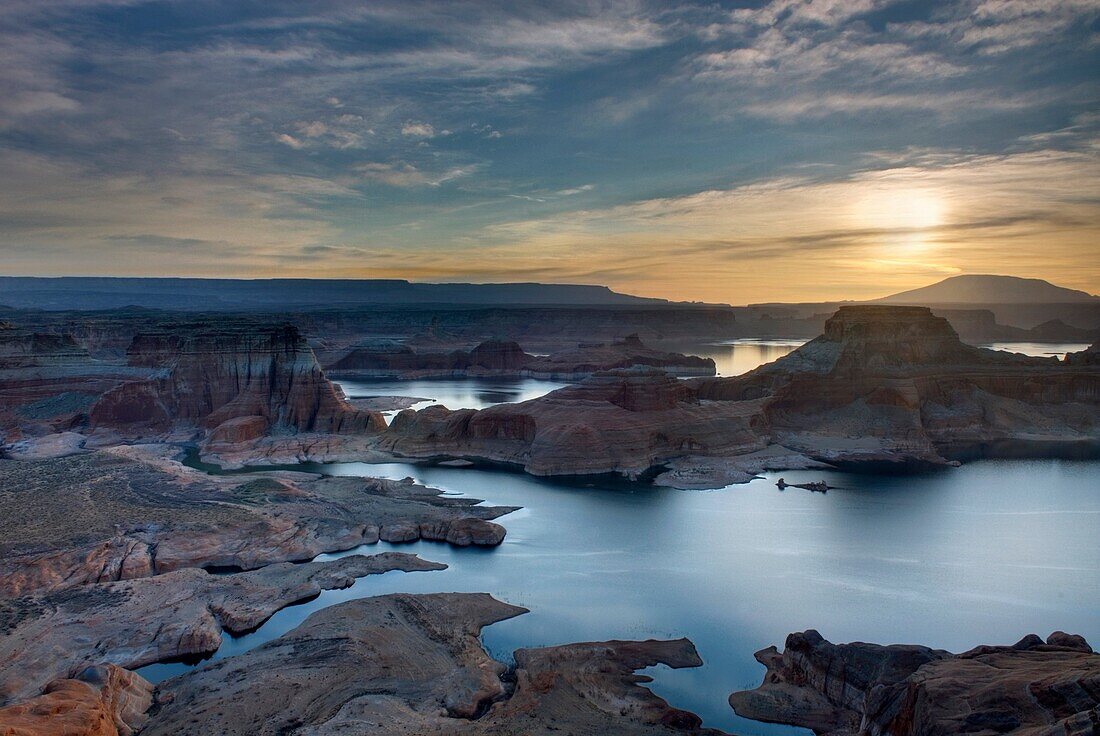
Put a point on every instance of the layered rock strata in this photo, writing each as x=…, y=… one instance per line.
x=134, y=512
x=412, y=664
x=28, y=349
x=1032, y=687
x=104, y=700
x=133, y=623
x=894, y=387
x=242, y=383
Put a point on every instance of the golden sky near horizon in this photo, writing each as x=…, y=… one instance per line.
x=794, y=150
x=897, y=226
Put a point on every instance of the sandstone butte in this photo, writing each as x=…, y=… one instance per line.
x=239, y=388
x=1033, y=687
x=883, y=388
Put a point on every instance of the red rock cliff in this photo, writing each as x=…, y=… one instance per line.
x=210, y=375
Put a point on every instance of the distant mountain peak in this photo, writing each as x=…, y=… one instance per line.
x=989, y=289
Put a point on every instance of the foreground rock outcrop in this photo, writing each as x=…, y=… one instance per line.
x=412, y=664
x=885, y=388
x=133, y=623
x=133, y=512
x=1032, y=687
x=103, y=700
x=507, y=358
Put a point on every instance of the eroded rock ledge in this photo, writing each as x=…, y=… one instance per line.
x=138, y=622
x=133, y=512
x=412, y=664
x=1032, y=687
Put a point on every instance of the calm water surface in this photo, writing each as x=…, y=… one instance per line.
x=1040, y=349
x=981, y=554
x=734, y=357
x=454, y=393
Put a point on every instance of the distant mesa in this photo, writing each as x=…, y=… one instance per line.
x=86, y=292
x=987, y=289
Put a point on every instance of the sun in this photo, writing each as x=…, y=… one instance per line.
x=904, y=218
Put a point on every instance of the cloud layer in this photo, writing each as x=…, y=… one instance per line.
x=842, y=147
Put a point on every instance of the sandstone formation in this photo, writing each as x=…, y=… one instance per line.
x=48, y=382
x=1089, y=356
x=25, y=349
x=137, y=622
x=250, y=390
x=239, y=381
x=412, y=664
x=884, y=388
x=494, y=357
x=591, y=688
x=1032, y=687
x=133, y=512
x=625, y=422
x=894, y=387
x=104, y=700
x=505, y=358
x=591, y=358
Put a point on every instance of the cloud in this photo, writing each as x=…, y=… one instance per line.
x=418, y=130
x=289, y=140
x=403, y=174
x=776, y=58
x=945, y=214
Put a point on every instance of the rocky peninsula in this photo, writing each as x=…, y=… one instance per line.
x=1031, y=687
x=884, y=388
x=133, y=512
x=412, y=664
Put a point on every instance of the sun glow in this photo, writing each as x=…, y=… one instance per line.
x=909, y=213
x=905, y=218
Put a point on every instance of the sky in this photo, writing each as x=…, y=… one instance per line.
x=783, y=150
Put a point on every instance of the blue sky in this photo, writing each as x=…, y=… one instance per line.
x=729, y=152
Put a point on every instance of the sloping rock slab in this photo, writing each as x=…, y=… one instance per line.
x=137, y=622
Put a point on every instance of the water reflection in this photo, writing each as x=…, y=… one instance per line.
x=454, y=393
x=736, y=357
x=1039, y=349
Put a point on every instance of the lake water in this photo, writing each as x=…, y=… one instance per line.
x=454, y=393
x=1040, y=349
x=980, y=554
x=984, y=553
x=734, y=357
